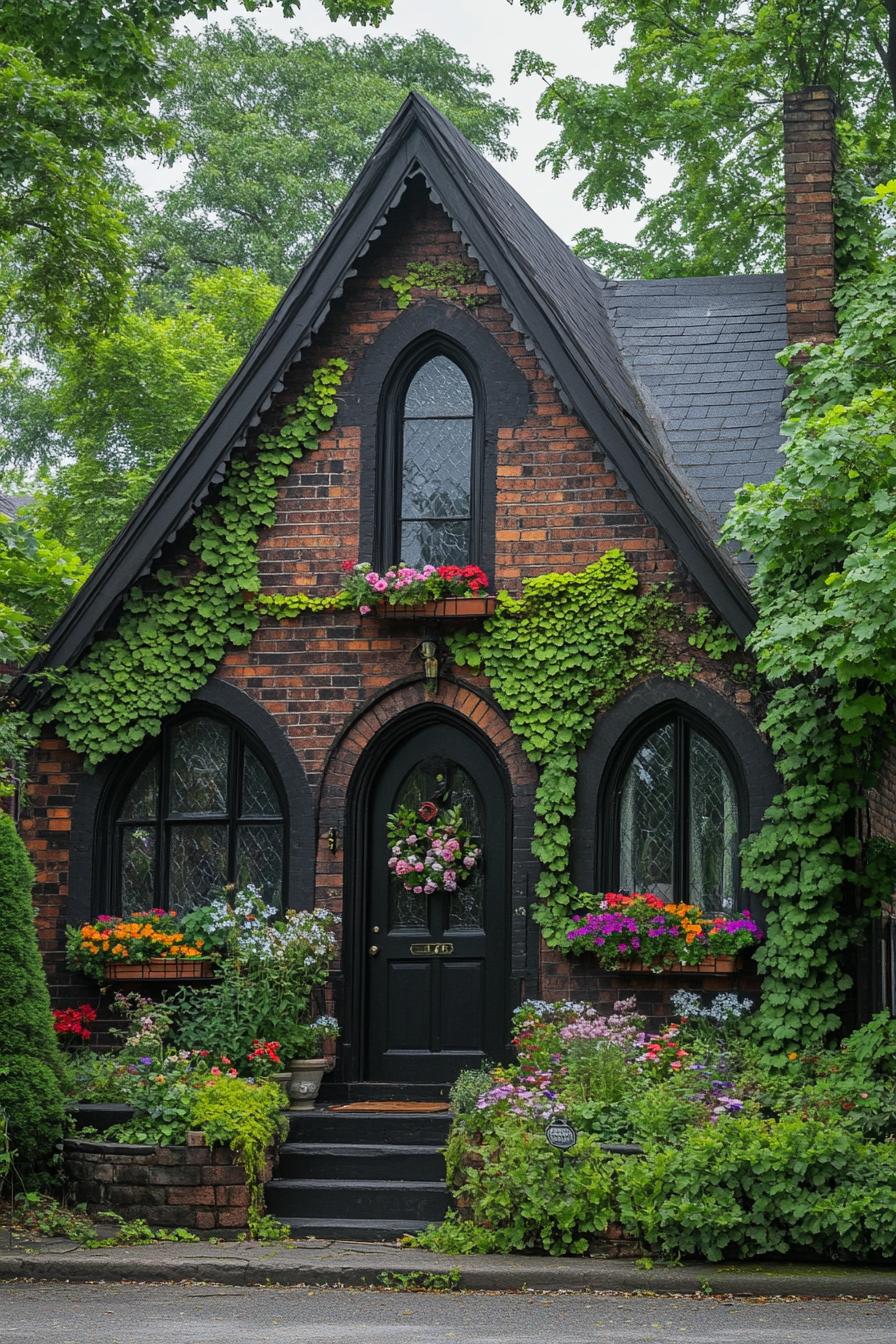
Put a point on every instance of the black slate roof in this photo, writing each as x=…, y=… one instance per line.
x=566, y=313
x=703, y=353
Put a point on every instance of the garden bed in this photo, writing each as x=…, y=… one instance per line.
x=194, y=1186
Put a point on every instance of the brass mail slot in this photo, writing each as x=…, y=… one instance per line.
x=431, y=949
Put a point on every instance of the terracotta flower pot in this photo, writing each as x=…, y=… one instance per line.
x=163, y=969
x=305, y=1076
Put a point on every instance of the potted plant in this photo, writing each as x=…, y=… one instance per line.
x=147, y=945
x=641, y=932
x=441, y=591
x=308, y=1063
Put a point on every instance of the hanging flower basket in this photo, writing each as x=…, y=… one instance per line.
x=161, y=970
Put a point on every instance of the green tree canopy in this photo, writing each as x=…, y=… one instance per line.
x=76, y=89
x=701, y=83
x=274, y=133
x=120, y=412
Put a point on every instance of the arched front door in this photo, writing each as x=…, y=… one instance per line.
x=436, y=970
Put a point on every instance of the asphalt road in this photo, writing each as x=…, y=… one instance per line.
x=184, y=1314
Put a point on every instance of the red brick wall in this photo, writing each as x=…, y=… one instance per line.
x=559, y=506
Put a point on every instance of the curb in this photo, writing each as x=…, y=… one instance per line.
x=357, y=1264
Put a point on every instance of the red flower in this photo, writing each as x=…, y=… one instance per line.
x=427, y=811
x=347, y=566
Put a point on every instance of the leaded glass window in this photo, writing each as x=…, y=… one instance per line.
x=203, y=810
x=436, y=466
x=678, y=824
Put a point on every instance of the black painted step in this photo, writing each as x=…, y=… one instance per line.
x=324, y=1126
x=353, y=1229
x=374, y=1201
x=360, y=1161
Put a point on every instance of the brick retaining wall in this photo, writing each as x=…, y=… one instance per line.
x=191, y=1186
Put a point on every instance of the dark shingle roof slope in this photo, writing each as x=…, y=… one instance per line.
x=703, y=352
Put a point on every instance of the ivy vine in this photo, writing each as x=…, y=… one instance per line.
x=823, y=534
x=170, y=638
x=555, y=657
x=439, y=277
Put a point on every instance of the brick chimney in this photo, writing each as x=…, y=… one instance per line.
x=810, y=155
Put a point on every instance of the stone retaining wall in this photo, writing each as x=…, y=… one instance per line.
x=193, y=1186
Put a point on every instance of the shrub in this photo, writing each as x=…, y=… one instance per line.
x=749, y=1187
x=30, y=1089
x=248, y=1118
x=541, y=1201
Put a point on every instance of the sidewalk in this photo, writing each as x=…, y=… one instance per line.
x=360, y=1264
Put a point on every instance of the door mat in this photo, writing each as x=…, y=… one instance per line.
x=410, y=1107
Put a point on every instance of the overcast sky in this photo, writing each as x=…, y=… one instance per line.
x=489, y=32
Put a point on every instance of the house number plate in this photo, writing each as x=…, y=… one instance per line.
x=431, y=949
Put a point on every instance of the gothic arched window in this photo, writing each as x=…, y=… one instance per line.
x=202, y=808
x=677, y=816
x=432, y=454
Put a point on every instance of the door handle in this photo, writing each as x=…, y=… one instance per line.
x=372, y=950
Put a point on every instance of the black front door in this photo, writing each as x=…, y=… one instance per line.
x=436, y=965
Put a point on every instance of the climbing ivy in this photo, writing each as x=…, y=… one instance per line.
x=172, y=636
x=554, y=658
x=439, y=277
x=823, y=534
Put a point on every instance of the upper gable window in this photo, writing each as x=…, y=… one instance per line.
x=434, y=433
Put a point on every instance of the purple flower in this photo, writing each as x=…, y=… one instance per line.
x=146, y=1059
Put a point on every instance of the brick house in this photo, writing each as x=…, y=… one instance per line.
x=560, y=416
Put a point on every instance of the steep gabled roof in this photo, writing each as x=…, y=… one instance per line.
x=556, y=301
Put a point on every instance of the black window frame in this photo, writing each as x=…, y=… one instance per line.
x=239, y=741
x=391, y=449
x=685, y=722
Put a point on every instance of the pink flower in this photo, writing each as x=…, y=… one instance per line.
x=380, y=586
x=418, y=891
x=364, y=610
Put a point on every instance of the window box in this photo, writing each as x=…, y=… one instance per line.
x=445, y=609
x=161, y=970
x=708, y=966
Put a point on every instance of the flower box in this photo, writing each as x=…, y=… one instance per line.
x=708, y=966
x=169, y=970
x=445, y=609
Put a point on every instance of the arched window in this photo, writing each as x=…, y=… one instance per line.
x=677, y=816
x=432, y=445
x=202, y=809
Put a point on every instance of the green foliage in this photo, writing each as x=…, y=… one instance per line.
x=544, y=1201
x=554, y=658
x=272, y=134
x=247, y=1118
x=118, y=416
x=701, y=85
x=39, y=577
x=419, y=1280
x=135, y=1232
x=467, y=1087
x=749, y=1187
x=437, y=277
x=31, y=1066
x=823, y=534
x=76, y=90
x=712, y=636
x=171, y=637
